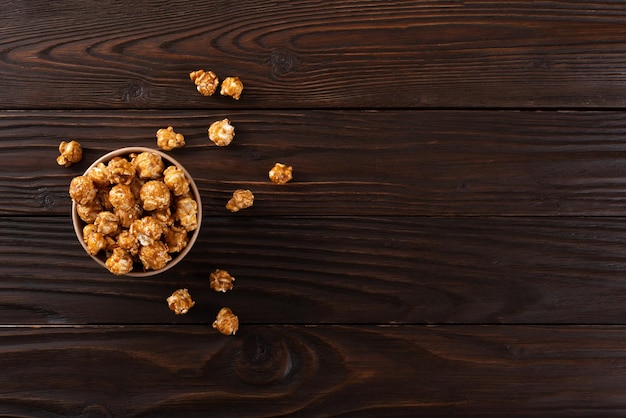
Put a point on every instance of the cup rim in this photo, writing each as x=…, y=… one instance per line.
x=78, y=223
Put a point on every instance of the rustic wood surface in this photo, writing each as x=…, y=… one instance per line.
x=453, y=242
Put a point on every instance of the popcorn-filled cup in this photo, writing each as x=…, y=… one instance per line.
x=139, y=267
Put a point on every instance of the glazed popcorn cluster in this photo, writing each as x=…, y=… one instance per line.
x=137, y=211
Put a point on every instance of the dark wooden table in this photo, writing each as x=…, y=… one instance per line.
x=453, y=242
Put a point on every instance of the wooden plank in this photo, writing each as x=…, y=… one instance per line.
x=433, y=163
x=297, y=54
x=336, y=270
x=280, y=370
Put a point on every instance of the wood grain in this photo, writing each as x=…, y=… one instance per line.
x=312, y=371
x=426, y=163
x=336, y=270
x=297, y=54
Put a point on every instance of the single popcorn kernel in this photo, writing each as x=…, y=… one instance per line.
x=98, y=174
x=94, y=240
x=206, y=82
x=148, y=230
x=121, y=197
x=168, y=140
x=120, y=171
x=82, y=190
x=155, y=195
x=221, y=132
x=87, y=213
x=180, y=302
x=176, y=239
x=120, y=262
x=241, y=199
x=232, y=86
x=186, y=213
x=154, y=256
x=107, y=223
x=148, y=165
x=281, y=173
x=226, y=322
x=71, y=152
x=174, y=178
x=221, y=281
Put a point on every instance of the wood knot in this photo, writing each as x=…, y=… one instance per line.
x=282, y=61
x=133, y=91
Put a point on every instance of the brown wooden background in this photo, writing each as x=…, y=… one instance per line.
x=453, y=244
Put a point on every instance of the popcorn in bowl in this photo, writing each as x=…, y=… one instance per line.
x=136, y=211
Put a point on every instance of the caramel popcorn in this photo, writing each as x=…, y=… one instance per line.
x=98, y=174
x=221, y=132
x=88, y=213
x=155, y=195
x=129, y=242
x=148, y=230
x=71, y=152
x=127, y=216
x=232, y=86
x=164, y=216
x=226, y=322
x=154, y=256
x=82, y=190
x=206, y=82
x=180, y=302
x=107, y=223
x=176, y=239
x=148, y=165
x=94, y=240
x=281, y=173
x=186, y=213
x=120, y=262
x=221, y=281
x=174, y=178
x=241, y=199
x=168, y=140
x=121, y=197
x=120, y=171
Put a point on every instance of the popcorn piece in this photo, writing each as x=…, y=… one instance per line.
x=94, y=240
x=186, y=213
x=221, y=132
x=107, y=223
x=206, y=82
x=71, y=152
x=221, y=281
x=120, y=171
x=281, y=173
x=232, y=86
x=82, y=190
x=127, y=216
x=176, y=239
x=148, y=230
x=121, y=197
x=174, y=178
x=155, y=195
x=98, y=174
x=128, y=242
x=90, y=211
x=120, y=262
x=168, y=140
x=164, y=216
x=148, y=165
x=154, y=256
x=241, y=199
x=180, y=302
x=226, y=322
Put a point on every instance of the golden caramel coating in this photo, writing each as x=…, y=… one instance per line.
x=281, y=173
x=180, y=302
x=82, y=190
x=128, y=242
x=221, y=132
x=174, y=178
x=176, y=239
x=241, y=199
x=88, y=213
x=119, y=262
x=120, y=171
x=107, y=223
x=121, y=197
x=154, y=256
x=232, y=86
x=103, y=198
x=148, y=230
x=221, y=281
x=95, y=242
x=206, y=82
x=168, y=140
x=164, y=216
x=226, y=322
x=155, y=195
x=148, y=165
x=71, y=152
x=98, y=174
x=186, y=213
x=127, y=216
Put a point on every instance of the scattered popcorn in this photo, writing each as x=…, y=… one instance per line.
x=232, y=86
x=71, y=152
x=221, y=281
x=168, y=140
x=226, y=322
x=221, y=132
x=206, y=82
x=180, y=302
x=281, y=173
x=241, y=199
